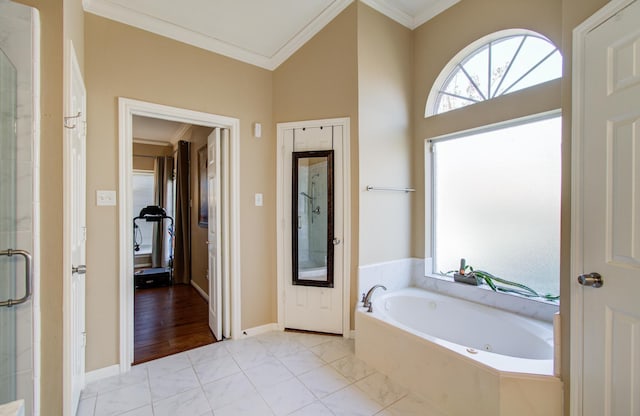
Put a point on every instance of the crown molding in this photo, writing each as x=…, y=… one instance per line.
x=122, y=14
x=391, y=12
x=308, y=32
x=405, y=19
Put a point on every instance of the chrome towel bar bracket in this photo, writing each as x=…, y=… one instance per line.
x=382, y=188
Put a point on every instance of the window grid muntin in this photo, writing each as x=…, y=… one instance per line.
x=488, y=48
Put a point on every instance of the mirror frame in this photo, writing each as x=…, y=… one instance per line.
x=296, y=156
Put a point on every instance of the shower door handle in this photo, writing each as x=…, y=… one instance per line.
x=28, y=267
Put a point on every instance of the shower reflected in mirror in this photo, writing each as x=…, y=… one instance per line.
x=312, y=218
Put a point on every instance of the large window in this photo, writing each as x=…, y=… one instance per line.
x=496, y=202
x=143, y=183
x=496, y=65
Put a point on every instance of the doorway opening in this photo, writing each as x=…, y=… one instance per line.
x=170, y=277
x=164, y=242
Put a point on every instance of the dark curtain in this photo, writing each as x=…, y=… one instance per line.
x=182, y=253
x=163, y=169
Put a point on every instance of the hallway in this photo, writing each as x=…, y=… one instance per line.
x=169, y=320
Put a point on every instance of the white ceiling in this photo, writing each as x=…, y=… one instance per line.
x=259, y=32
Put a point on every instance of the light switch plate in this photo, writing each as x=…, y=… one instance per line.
x=106, y=198
x=259, y=200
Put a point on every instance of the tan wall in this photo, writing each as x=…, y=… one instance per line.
x=433, y=50
x=574, y=12
x=122, y=61
x=74, y=28
x=141, y=153
x=555, y=19
x=385, y=92
x=211, y=84
x=321, y=81
x=199, y=252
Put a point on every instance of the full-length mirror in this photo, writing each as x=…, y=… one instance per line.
x=312, y=211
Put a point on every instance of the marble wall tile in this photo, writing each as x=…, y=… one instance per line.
x=24, y=334
x=393, y=275
x=484, y=295
x=24, y=390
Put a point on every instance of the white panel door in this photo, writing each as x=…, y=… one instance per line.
x=214, y=242
x=307, y=307
x=77, y=227
x=610, y=229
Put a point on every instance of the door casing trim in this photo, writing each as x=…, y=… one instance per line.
x=127, y=108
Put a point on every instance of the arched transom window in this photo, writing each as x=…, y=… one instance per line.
x=496, y=65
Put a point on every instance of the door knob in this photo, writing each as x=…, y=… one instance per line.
x=81, y=269
x=591, y=279
x=336, y=241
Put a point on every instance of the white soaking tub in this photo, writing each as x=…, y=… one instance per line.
x=466, y=358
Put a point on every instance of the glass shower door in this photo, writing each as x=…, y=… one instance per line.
x=19, y=50
x=8, y=221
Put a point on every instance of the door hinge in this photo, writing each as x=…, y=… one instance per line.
x=84, y=234
x=84, y=339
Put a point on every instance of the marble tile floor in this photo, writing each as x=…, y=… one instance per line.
x=277, y=373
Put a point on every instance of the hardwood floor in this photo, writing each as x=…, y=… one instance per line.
x=168, y=320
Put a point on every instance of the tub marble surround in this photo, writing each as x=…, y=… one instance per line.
x=413, y=272
x=452, y=383
x=274, y=373
x=394, y=275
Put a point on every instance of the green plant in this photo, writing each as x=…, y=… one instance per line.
x=498, y=284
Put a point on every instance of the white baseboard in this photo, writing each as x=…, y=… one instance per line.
x=99, y=374
x=251, y=332
x=199, y=289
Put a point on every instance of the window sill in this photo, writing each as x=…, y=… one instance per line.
x=537, y=309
